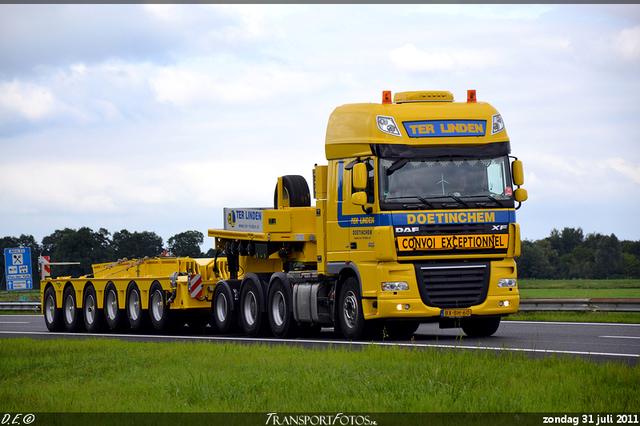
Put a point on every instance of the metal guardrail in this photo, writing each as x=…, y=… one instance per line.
x=19, y=306
x=594, y=305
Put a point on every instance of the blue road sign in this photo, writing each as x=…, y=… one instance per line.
x=18, y=268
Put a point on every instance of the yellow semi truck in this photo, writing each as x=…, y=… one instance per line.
x=414, y=221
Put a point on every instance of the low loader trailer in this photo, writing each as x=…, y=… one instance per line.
x=414, y=221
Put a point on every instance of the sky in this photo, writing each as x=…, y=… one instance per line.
x=156, y=117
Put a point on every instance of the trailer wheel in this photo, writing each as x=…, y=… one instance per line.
x=52, y=315
x=90, y=313
x=480, y=327
x=279, y=311
x=113, y=315
x=350, y=313
x=137, y=316
x=295, y=190
x=71, y=314
x=224, y=318
x=251, y=316
x=159, y=312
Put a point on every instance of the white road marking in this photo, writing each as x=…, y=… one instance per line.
x=619, y=337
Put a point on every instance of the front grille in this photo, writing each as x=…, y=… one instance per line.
x=453, y=286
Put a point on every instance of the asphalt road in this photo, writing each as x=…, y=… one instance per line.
x=597, y=342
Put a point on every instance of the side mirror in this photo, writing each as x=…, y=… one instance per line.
x=359, y=198
x=360, y=176
x=520, y=195
x=518, y=173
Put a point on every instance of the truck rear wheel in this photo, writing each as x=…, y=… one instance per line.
x=224, y=318
x=90, y=313
x=113, y=315
x=350, y=313
x=480, y=327
x=52, y=315
x=279, y=310
x=295, y=190
x=137, y=316
x=159, y=312
x=71, y=314
x=252, y=318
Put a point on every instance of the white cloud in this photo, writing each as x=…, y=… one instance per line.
x=628, y=43
x=620, y=165
x=410, y=58
x=29, y=100
x=184, y=84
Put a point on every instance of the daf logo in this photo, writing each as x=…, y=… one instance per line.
x=499, y=227
x=408, y=229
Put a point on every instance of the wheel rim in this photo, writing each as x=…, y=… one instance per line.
x=221, y=307
x=277, y=308
x=157, y=305
x=112, y=305
x=49, y=308
x=350, y=309
x=250, y=308
x=90, y=309
x=69, y=309
x=134, y=305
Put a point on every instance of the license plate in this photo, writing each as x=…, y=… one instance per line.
x=455, y=313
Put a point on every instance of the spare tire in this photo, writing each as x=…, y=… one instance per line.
x=296, y=190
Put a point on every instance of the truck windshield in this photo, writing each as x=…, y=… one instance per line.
x=445, y=183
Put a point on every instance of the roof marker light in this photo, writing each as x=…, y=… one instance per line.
x=471, y=96
x=386, y=97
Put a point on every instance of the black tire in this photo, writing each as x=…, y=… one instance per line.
x=252, y=319
x=138, y=317
x=296, y=190
x=52, y=314
x=71, y=315
x=159, y=310
x=480, y=327
x=279, y=312
x=350, y=314
x=113, y=315
x=92, y=316
x=222, y=316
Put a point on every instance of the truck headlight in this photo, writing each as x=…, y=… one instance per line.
x=388, y=125
x=507, y=282
x=395, y=286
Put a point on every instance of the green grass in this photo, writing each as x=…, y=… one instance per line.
x=569, y=316
x=115, y=376
x=622, y=293
x=579, y=289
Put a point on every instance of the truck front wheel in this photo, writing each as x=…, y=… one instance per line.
x=350, y=313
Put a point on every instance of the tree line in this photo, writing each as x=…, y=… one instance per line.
x=569, y=254
x=88, y=247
